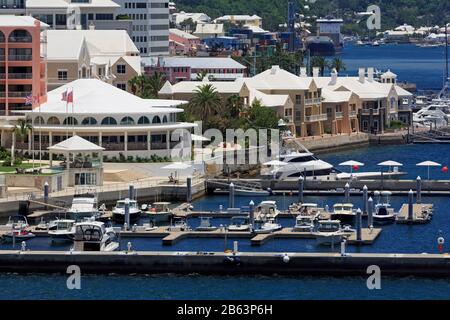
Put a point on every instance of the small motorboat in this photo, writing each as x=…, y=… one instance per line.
x=51, y=225
x=17, y=222
x=303, y=223
x=17, y=235
x=178, y=224
x=343, y=212
x=268, y=227
x=239, y=224
x=384, y=213
x=159, y=212
x=64, y=231
x=329, y=232
x=265, y=211
x=94, y=236
x=118, y=211
x=205, y=225
x=84, y=205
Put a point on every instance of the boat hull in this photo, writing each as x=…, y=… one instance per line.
x=119, y=217
x=159, y=217
x=344, y=218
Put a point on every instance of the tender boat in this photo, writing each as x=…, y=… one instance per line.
x=205, y=225
x=178, y=224
x=64, y=231
x=329, y=232
x=159, y=212
x=51, y=225
x=118, y=211
x=239, y=224
x=268, y=226
x=17, y=222
x=17, y=235
x=384, y=213
x=94, y=236
x=266, y=210
x=84, y=206
x=303, y=223
x=343, y=212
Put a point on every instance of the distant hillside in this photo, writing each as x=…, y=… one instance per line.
x=273, y=12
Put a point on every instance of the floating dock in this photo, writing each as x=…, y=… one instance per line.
x=419, y=216
x=434, y=265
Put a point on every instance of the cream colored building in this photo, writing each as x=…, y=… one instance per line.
x=107, y=55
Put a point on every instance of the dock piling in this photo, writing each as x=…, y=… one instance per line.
x=365, y=199
x=131, y=192
x=231, y=199
x=347, y=192
x=343, y=247
x=46, y=192
x=235, y=247
x=252, y=213
x=358, y=224
x=301, y=186
x=410, y=205
x=127, y=212
x=419, y=190
x=370, y=212
x=189, y=189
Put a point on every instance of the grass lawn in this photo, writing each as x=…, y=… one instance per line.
x=22, y=166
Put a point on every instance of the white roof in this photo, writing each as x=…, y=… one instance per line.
x=330, y=96
x=278, y=79
x=39, y=4
x=20, y=21
x=92, y=96
x=209, y=28
x=242, y=17
x=98, y=42
x=194, y=62
x=183, y=34
x=76, y=144
x=233, y=87
x=133, y=61
x=269, y=100
x=197, y=17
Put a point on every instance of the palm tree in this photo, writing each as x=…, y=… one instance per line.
x=201, y=75
x=206, y=102
x=321, y=63
x=137, y=84
x=153, y=85
x=234, y=106
x=21, y=131
x=338, y=64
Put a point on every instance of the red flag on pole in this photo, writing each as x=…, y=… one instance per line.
x=70, y=97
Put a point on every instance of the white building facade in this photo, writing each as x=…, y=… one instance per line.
x=150, y=30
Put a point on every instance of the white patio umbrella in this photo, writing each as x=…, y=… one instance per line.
x=351, y=164
x=428, y=164
x=177, y=166
x=390, y=164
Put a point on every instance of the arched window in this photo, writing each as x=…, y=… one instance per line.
x=108, y=121
x=20, y=35
x=70, y=121
x=156, y=119
x=143, y=120
x=53, y=121
x=2, y=37
x=89, y=121
x=164, y=119
x=39, y=121
x=127, y=121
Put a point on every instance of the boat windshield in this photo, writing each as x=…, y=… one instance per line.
x=121, y=204
x=88, y=233
x=329, y=227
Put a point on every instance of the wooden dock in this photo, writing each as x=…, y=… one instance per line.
x=421, y=214
x=368, y=236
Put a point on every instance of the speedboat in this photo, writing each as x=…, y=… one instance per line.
x=84, y=206
x=205, y=225
x=17, y=222
x=343, y=212
x=268, y=226
x=94, y=236
x=384, y=213
x=329, y=232
x=178, y=224
x=64, y=231
x=239, y=224
x=118, y=211
x=18, y=235
x=158, y=212
x=310, y=209
x=51, y=225
x=266, y=210
x=303, y=223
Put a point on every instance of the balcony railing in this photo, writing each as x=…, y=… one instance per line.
x=316, y=117
x=20, y=39
x=353, y=114
x=312, y=101
x=18, y=94
x=366, y=112
x=16, y=76
x=20, y=57
x=2, y=57
x=339, y=115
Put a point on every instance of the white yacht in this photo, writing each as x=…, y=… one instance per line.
x=303, y=223
x=17, y=222
x=158, y=212
x=329, y=232
x=268, y=226
x=239, y=223
x=265, y=211
x=343, y=212
x=84, y=206
x=384, y=213
x=64, y=231
x=118, y=211
x=437, y=114
x=94, y=236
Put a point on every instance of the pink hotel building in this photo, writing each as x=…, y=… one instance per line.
x=22, y=64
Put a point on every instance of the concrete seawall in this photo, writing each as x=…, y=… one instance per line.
x=222, y=263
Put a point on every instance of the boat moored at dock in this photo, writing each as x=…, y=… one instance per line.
x=64, y=231
x=118, y=211
x=94, y=236
x=343, y=212
x=158, y=212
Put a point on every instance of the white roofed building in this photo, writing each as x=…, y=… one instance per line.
x=197, y=17
x=209, y=30
x=108, y=55
x=111, y=118
x=253, y=20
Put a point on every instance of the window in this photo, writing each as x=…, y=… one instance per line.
x=85, y=179
x=70, y=121
x=298, y=100
x=89, y=121
x=62, y=75
x=122, y=86
x=104, y=16
x=53, y=121
x=143, y=120
x=127, y=121
x=108, y=121
x=156, y=119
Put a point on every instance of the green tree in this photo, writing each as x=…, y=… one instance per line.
x=321, y=63
x=261, y=117
x=201, y=75
x=338, y=64
x=153, y=85
x=205, y=103
x=21, y=130
x=234, y=106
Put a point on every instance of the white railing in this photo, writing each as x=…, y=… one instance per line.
x=313, y=101
x=339, y=115
x=353, y=114
x=316, y=117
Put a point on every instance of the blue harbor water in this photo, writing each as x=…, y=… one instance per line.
x=423, y=66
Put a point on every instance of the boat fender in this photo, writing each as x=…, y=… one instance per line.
x=286, y=258
x=24, y=246
x=270, y=191
x=441, y=242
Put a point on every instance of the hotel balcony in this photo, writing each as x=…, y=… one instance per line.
x=339, y=115
x=316, y=117
x=18, y=76
x=20, y=39
x=12, y=94
x=353, y=114
x=309, y=102
x=20, y=57
x=366, y=112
